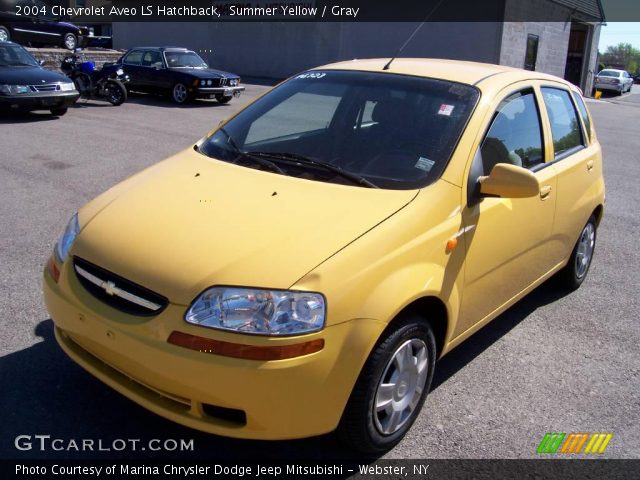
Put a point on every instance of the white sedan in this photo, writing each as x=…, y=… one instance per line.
x=617, y=80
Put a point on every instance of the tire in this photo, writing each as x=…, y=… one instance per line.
x=58, y=112
x=372, y=430
x=115, y=93
x=573, y=274
x=70, y=41
x=5, y=36
x=180, y=94
x=222, y=99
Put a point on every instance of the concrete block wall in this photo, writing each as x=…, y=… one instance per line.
x=53, y=57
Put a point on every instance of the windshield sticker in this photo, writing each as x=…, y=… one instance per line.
x=445, y=109
x=311, y=75
x=425, y=164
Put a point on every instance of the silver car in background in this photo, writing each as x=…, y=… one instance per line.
x=616, y=80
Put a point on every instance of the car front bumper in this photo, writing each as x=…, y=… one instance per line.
x=283, y=399
x=39, y=101
x=208, y=92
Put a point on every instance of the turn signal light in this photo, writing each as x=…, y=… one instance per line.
x=54, y=271
x=249, y=352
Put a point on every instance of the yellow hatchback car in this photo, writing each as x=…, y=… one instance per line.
x=302, y=267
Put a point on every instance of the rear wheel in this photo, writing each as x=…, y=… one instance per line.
x=70, y=41
x=58, y=112
x=115, y=93
x=391, y=388
x=574, y=273
x=5, y=36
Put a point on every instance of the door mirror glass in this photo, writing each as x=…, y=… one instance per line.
x=509, y=181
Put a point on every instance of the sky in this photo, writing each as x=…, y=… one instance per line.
x=619, y=32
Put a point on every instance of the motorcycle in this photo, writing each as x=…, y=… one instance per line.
x=107, y=82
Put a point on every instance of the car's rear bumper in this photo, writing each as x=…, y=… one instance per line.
x=292, y=398
x=38, y=101
x=608, y=86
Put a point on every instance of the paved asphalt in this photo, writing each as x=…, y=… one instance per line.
x=551, y=363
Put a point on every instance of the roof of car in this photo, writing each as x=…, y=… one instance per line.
x=471, y=73
x=162, y=49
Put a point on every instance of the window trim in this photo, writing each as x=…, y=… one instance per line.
x=583, y=138
x=587, y=131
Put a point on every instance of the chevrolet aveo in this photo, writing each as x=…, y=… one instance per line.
x=301, y=268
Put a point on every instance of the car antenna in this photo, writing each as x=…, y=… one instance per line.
x=386, y=67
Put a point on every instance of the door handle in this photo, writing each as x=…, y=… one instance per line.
x=545, y=191
x=590, y=165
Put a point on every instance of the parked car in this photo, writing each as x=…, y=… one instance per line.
x=636, y=79
x=25, y=85
x=616, y=80
x=303, y=266
x=37, y=27
x=178, y=72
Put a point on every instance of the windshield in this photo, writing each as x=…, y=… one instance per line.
x=184, y=60
x=372, y=129
x=609, y=73
x=14, y=55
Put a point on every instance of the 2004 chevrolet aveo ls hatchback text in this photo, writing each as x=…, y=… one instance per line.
x=301, y=268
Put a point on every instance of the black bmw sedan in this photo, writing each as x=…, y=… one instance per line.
x=25, y=85
x=179, y=72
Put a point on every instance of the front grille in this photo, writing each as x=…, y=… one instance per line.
x=49, y=87
x=118, y=292
x=223, y=82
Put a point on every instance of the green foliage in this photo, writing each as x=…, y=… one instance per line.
x=623, y=56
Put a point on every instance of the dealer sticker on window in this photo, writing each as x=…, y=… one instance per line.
x=425, y=164
x=445, y=109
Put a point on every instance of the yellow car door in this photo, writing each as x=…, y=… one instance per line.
x=508, y=240
x=577, y=159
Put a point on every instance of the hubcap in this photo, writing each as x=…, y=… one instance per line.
x=3, y=36
x=70, y=42
x=401, y=386
x=585, y=250
x=180, y=93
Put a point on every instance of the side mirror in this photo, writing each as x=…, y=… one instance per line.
x=509, y=181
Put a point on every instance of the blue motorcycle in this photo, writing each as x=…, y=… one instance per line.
x=107, y=82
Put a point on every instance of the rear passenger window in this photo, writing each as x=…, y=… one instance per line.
x=565, y=127
x=583, y=113
x=515, y=135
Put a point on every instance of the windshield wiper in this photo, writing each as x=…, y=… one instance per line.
x=258, y=159
x=302, y=160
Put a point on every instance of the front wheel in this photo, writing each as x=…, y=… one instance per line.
x=70, y=41
x=391, y=388
x=58, y=112
x=5, y=36
x=574, y=273
x=222, y=99
x=180, y=94
x=115, y=93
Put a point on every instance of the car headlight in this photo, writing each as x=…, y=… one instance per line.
x=119, y=72
x=67, y=87
x=233, y=82
x=258, y=311
x=14, y=89
x=68, y=237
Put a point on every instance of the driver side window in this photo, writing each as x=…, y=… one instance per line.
x=515, y=135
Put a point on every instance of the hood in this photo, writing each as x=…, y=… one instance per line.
x=29, y=76
x=207, y=73
x=191, y=222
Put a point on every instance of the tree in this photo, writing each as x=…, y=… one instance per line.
x=623, y=55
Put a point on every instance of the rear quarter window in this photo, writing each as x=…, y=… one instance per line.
x=582, y=108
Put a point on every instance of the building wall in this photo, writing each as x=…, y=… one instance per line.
x=278, y=49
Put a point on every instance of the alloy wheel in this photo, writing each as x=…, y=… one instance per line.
x=585, y=250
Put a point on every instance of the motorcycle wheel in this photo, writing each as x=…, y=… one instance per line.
x=115, y=93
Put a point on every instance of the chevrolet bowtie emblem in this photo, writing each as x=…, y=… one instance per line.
x=109, y=287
